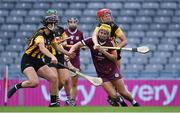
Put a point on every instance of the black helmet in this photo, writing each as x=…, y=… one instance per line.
x=50, y=19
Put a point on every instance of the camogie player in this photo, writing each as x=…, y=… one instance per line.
x=75, y=35
x=62, y=73
x=106, y=67
x=32, y=65
x=104, y=17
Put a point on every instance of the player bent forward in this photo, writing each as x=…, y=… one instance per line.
x=106, y=67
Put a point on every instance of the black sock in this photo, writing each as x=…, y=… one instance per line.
x=53, y=98
x=19, y=85
x=112, y=101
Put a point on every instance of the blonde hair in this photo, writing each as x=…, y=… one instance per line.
x=105, y=27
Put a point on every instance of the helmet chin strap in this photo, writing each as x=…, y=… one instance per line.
x=52, y=28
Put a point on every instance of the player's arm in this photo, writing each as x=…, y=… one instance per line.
x=59, y=47
x=56, y=43
x=69, y=64
x=82, y=38
x=76, y=46
x=94, y=38
x=119, y=33
x=69, y=46
x=40, y=42
x=111, y=56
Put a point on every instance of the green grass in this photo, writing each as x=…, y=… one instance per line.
x=90, y=109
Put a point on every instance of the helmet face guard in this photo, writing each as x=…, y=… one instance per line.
x=72, y=23
x=104, y=15
x=50, y=21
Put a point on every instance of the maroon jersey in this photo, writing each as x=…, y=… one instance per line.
x=105, y=68
x=74, y=37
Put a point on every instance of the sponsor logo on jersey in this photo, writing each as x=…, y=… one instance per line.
x=77, y=37
x=116, y=74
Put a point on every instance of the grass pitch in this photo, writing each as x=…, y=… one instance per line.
x=90, y=109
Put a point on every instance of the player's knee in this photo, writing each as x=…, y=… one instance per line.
x=112, y=101
x=54, y=79
x=34, y=83
x=74, y=81
x=67, y=81
x=63, y=81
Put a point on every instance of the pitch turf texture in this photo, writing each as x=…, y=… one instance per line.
x=90, y=109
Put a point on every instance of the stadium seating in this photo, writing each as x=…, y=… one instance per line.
x=155, y=23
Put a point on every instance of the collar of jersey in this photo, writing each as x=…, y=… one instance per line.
x=72, y=32
x=101, y=43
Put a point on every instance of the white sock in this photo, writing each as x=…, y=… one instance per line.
x=134, y=101
x=121, y=99
x=16, y=87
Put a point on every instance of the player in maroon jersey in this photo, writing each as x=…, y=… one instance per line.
x=104, y=16
x=74, y=35
x=106, y=66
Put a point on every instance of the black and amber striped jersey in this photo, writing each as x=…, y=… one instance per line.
x=116, y=32
x=40, y=36
x=60, y=32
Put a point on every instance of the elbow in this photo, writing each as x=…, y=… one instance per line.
x=124, y=41
x=114, y=58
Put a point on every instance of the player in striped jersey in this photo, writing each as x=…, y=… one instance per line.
x=104, y=16
x=32, y=65
x=62, y=73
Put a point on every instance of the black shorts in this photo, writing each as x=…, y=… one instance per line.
x=60, y=58
x=28, y=61
x=118, y=54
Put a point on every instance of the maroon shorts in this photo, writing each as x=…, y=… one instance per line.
x=107, y=78
x=76, y=62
